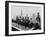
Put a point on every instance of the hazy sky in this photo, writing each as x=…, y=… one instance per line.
x=16, y=10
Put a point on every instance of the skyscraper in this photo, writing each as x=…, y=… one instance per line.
x=21, y=13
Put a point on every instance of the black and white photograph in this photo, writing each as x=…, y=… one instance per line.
x=25, y=17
